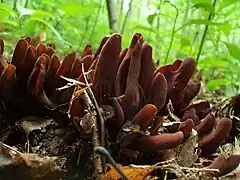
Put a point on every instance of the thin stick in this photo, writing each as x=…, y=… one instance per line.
x=102, y=122
x=79, y=156
x=28, y=143
x=166, y=174
x=98, y=164
x=174, y=166
x=199, y=169
x=9, y=147
x=95, y=129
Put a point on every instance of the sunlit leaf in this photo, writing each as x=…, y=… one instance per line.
x=185, y=42
x=42, y=14
x=152, y=17
x=217, y=83
x=224, y=4
x=226, y=28
x=200, y=22
x=8, y=10
x=34, y=13
x=206, y=6
x=25, y=11
x=74, y=8
x=200, y=1
x=10, y=22
x=140, y=27
x=234, y=50
x=212, y=62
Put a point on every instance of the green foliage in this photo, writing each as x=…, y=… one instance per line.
x=234, y=50
x=214, y=84
x=174, y=30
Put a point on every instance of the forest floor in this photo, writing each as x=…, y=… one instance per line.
x=50, y=148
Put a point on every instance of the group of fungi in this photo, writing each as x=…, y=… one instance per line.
x=139, y=96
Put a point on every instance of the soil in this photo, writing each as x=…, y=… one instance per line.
x=55, y=138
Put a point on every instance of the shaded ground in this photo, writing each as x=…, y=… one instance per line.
x=55, y=138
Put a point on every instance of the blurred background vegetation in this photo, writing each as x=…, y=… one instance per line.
x=208, y=30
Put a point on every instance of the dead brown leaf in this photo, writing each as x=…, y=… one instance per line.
x=27, y=166
x=133, y=173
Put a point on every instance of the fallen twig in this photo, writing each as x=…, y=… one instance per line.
x=172, y=166
x=99, y=163
x=102, y=122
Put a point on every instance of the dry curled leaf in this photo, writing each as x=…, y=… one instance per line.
x=27, y=166
x=31, y=123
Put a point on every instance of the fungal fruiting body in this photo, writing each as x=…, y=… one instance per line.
x=124, y=79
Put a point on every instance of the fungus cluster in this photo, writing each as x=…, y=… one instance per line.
x=127, y=80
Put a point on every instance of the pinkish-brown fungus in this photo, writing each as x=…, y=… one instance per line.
x=127, y=80
x=147, y=69
x=103, y=83
x=180, y=89
x=87, y=51
x=38, y=72
x=131, y=98
x=122, y=72
x=225, y=165
x=19, y=55
x=158, y=142
x=158, y=91
x=206, y=125
x=145, y=116
x=7, y=79
x=212, y=141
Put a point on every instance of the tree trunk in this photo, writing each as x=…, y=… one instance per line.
x=126, y=16
x=112, y=17
x=120, y=13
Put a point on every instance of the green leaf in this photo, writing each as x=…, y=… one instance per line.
x=137, y=27
x=200, y=22
x=10, y=22
x=59, y=37
x=34, y=13
x=224, y=4
x=151, y=17
x=24, y=11
x=212, y=62
x=206, y=6
x=217, y=83
x=226, y=28
x=42, y=14
x=8, y=10
x=75, y=8
x=185, y=42
x=234, y=50
x=200, y=1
